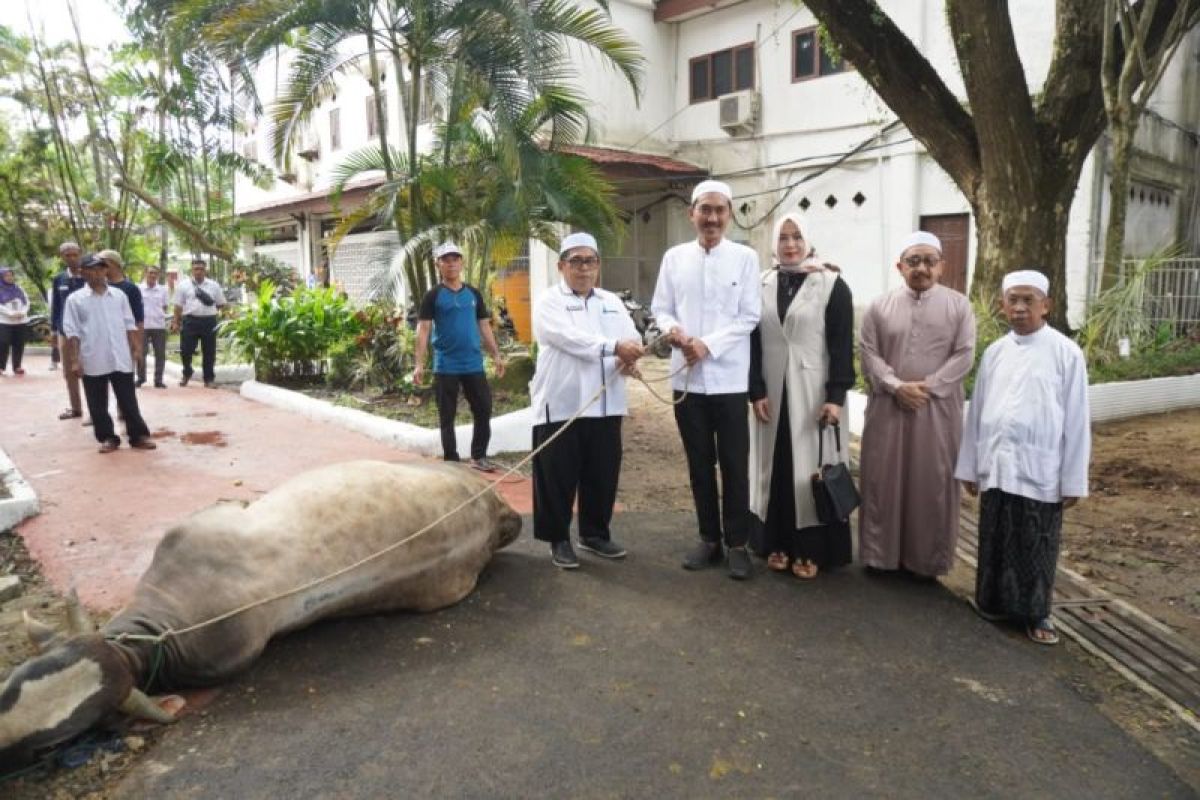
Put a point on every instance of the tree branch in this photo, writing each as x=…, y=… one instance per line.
x=907, y=82
x=177, y=222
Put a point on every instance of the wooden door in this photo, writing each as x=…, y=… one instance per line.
x=953, y=230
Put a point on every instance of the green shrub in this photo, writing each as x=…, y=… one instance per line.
x=380, y=356
x=292, y=335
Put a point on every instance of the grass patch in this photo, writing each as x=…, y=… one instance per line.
x=1178, y=357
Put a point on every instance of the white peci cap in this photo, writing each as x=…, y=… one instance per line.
x=712, y=187
x=921, y=237
x=573, y=240
x=1026, y=277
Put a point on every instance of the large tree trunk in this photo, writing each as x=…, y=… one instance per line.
x=1016, y=232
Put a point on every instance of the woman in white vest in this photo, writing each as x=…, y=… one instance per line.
x=802, y=365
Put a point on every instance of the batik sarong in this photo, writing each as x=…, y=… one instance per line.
x=1018, y=553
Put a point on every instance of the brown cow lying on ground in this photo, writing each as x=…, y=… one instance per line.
x=230, y=555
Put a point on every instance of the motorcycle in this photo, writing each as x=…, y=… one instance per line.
x=646, y=326
x=37, y=328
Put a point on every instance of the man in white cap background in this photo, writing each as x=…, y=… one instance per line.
x=586, y=340
x=456, y=316
x=917, y=346
x=707, y=300
x=1025, y=446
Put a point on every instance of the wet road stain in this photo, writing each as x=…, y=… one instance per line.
x=211, y=438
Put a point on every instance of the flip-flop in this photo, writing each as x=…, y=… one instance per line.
x=1045, y=626
x=70, y=413
x=777, y=562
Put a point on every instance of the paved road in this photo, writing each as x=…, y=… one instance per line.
x=103, y=514
x=637, y=679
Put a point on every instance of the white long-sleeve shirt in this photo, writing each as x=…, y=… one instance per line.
x=713, y=295
x=1028, y=430
x=577, y=339
x=14, y=312
x=100, y=320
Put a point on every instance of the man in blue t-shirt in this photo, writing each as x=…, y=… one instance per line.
x=460, y=322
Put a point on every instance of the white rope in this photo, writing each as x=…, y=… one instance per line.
x=159, y=638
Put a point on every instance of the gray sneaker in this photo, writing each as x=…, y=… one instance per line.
x=739, y=563
x=605, y=548
x=562, y=555
x=483, y=465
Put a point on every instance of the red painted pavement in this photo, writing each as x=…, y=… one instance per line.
x=102, y=515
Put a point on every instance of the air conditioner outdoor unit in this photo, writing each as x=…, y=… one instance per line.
x=739, y=112
x=310, y=148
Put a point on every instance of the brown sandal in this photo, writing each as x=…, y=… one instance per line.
x=804, y=569
x=777, y=561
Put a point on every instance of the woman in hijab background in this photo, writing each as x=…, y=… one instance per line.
x=802, y=366
x=14, y=311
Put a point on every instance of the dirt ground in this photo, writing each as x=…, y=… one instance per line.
x=1138, y=537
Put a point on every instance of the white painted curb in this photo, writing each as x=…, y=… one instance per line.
x=23, y=502
x=510, y=432
x=224, y=374
x=1107, y=401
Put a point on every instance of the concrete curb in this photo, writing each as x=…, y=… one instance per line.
x=510, y=432
x=224, y=374
x=23, y=500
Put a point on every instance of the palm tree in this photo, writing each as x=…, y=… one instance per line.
x=506, y=60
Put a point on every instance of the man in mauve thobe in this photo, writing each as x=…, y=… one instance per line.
x=918, y=343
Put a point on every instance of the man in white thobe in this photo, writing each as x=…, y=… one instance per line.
x=1025, y=446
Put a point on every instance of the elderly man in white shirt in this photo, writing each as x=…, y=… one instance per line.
x=1025, y=446
x=197, y=304
x=101, y=338
x=707, y=299
x=587, y=343
x=155, y=300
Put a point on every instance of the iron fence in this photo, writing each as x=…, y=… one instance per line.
x=1172, y=293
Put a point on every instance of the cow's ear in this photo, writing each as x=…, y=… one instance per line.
x=41, y=635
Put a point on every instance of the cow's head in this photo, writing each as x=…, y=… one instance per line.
x=74, y=684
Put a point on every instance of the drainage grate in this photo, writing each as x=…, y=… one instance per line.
x=1136, y=645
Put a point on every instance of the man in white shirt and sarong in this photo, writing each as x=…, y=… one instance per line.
x=917, y=344
x=587, y=343
x=102, y=339
x=1025, y=447
x=707, y=300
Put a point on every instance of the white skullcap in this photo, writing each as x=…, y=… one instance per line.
x=445, y=249
x=1026, y=277
x=717, y=187
x=921, y=237
x=571, y=241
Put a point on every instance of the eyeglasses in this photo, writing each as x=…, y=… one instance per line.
x=584, y=262
x=930, y=261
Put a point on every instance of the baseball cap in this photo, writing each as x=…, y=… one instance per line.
x=445, y=249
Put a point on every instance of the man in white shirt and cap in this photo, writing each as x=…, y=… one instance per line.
x=102, y=338
x=1025, y=446
x=917, y=344
x=707, y=300
x=587, y=343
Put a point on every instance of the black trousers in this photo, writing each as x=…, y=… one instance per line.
x=95, y=390
x=715, y=430
x=202, y=331
x=585, y=460
x=157, y=339
x=12, y=337
x=479, y=398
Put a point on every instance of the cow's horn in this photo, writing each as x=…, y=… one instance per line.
x=137, y=704
x=78, y=621
x=40, y=634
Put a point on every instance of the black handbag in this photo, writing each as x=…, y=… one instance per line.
x=833, y=487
